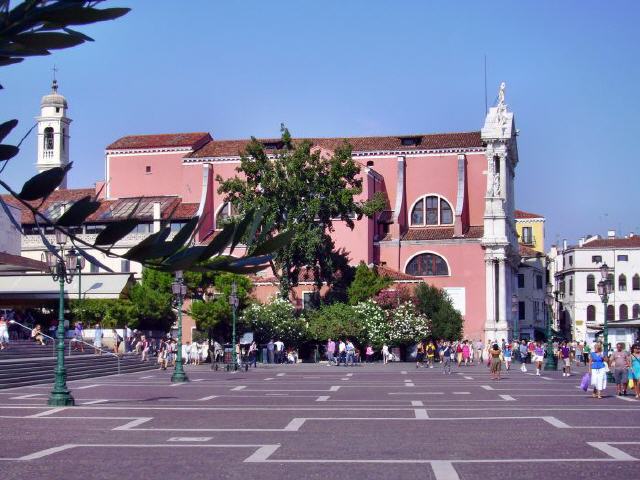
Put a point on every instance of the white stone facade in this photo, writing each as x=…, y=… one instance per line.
x=577, y=273
x=9, y=236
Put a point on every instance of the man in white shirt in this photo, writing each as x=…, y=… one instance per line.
x=342, y=352
x=279, y=351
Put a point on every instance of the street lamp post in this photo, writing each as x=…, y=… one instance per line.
x=78, y=267
x=516, y=314
x=179, y=290
x=604, y=289
x=551, y=362
x=61, y=268
x=233, y=301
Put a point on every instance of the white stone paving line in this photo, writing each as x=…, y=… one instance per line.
x=47, y=412
x=210, y=397
x=280, y=374
x=421, y=413
x=30, y=395
x=322, y=398
x=508, y=398
x=417, y=403
x=94, y=402
x=238, y=388
x=189, y=439
x=444, y=470
x=86, y=386
x=628, y=399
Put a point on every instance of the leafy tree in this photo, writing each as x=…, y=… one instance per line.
x=36, y=27
x=152, y=298
x=445, y=321
x=366, y=284
x=276, y=320
x=111, y=313
x=303, y=193
x=337, y=320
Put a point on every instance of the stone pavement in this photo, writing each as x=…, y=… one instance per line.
x=314, y=421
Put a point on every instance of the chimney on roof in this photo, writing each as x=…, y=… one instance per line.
x=631, y=234
x=611, y=234
x=581, y=242
x=564, y=244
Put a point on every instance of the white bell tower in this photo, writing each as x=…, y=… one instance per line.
x=53, y=132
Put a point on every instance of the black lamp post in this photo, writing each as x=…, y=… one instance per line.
x=61, y=267
x=179, y=290
x=551, y=362
x=605, y=288
x=79, y=266
x=515, y=312
x=233, y=301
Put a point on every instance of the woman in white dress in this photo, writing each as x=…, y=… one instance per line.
x=195, y=353
x=385, y=354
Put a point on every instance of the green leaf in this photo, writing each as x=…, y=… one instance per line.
x=8, y=151
x=79, y=15
x=4, y=61
x=150, y=247
x=80, y=35
x=252, y=261
x=6, y=128
x=219, y=242
x=185, y=232
x=93, y=260
x=274, y=244
x=116, y=231
x=42, y=184
x=48, y=40
x=78, y=212
x=184, y=259
x=241, y=229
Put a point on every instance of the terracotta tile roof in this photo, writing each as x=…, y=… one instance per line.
x=441, y=233
x=17, y=263
x=233, y=148
x=171, y=207
x=395, y=275
x=521, y=214
x=528, y=251
x=631, y=242
x=167, y=140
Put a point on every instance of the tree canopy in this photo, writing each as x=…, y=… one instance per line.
x=445, y=321
x=301, y=191
x=366, y=284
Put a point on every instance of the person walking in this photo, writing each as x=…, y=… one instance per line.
x=331, y=351
x=350, y=351
x=385, y=354
x=342, y=352
x=419, y=354
x=586, y=352
x=579, y=353
x=565, y=355
x=619, y=363
x=446, y=358
x=270, y=351
x=253, y=354
x=279, y=351
x=465, y=353
x=523, y=356
x=4, y=333
x=538, y=357
x=97, y=339
x=598, y=371
x=117, y=340
x=507, y=356
x=634, y=369
x=144, y=348
x=496, y=361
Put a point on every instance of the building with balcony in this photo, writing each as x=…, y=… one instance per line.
x=580, y=309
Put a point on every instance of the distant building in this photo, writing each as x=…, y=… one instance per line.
x=577, y=273
x=450, y=219
x=530, y=228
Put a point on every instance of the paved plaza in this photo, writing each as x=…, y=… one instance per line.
x=314, y=421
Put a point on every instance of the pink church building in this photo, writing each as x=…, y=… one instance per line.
x=450, y=218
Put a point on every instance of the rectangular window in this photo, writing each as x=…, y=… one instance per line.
x=432, y=210
x=521, y=310
x=520, y=280
x=623, y=258
x=143, y=228
x=527, y=236
x=570, y=259
x=125, y=266
x=307, y=300
x=93, y=229
x=596, y=259
x=539, y=282
x=147, y=169
x=571, y=286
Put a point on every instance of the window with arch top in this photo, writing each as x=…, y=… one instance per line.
x=591, y=283
x=635, y=282
x=226, y=211
x=48, y=138
x=591, y=313
x=427, y=265
x=622, y=282
x=431, y=210
x=635, y=311
x=623, y=312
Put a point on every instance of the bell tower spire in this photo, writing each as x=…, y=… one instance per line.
x=53, y=131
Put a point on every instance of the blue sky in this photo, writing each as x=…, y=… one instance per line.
x=349, y=67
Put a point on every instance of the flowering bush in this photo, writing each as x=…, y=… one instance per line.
x=374, y=322
x=274, y=320
x=406, y=326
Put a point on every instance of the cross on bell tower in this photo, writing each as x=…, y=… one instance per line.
x=53, y=131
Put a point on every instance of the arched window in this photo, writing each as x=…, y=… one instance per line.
x=431, y=210
x=622, y=282
x=427, y=265
x=48, y=138
x=635, y=311
x=591, y=313
x=611, y=313
x=226, y=211
x=624, y=312
x=635, y=282
x=591, y=283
